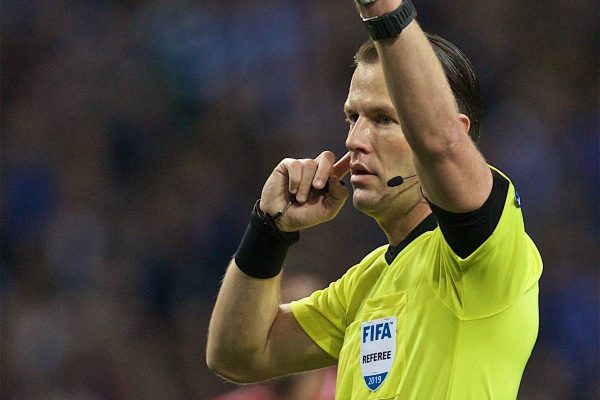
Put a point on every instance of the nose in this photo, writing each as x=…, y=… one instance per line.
x=358, y=136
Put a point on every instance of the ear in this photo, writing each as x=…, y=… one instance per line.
x=465, y=121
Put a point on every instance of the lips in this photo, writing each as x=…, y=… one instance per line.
x=360, y=169
x=361, y=175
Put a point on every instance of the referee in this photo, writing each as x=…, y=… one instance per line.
x=449, y=308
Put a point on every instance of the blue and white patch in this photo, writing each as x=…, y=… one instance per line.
x=377, y=350
x=517, y=199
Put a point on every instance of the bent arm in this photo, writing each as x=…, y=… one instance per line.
x=453, y=174
x=251, y=337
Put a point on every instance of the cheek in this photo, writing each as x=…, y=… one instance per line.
x=396, y=152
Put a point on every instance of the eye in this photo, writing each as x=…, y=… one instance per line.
x=351, y=118
x=385, y=120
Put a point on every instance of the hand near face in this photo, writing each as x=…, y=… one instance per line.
x=306, y=179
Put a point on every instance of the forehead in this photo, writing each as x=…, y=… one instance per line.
x=367, y=88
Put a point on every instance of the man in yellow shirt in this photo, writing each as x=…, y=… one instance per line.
x=447, y=310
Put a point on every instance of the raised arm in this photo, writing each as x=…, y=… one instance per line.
x=252, y=337
x=453, y=173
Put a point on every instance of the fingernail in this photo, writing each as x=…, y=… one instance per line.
x=319, y=182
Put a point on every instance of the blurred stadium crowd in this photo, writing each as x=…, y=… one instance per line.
x=136, y=136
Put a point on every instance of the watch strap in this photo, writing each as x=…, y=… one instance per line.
x=391, y=25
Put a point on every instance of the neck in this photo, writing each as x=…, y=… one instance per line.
x=398, y=227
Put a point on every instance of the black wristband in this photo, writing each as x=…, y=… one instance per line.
x=263, y=248
x=390, y=25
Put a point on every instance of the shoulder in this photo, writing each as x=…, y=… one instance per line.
x=343, y=288
x=466, y=232
x=373, y=256
x=368, y=265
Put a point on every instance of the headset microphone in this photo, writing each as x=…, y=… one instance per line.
x=398, y=180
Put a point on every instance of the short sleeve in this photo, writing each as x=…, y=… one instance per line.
x=325, y=314
x=496, y=274
x=322, y=315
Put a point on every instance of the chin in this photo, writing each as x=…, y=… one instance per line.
x=365, y=202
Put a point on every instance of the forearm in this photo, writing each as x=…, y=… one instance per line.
x=452, y=172
x=252, y=337
x=242, y=318
x=420, y=92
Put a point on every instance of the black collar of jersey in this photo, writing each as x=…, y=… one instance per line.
x=428, y=224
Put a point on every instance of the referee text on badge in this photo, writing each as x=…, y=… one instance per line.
x=377, y=350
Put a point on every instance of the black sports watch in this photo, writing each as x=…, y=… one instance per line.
x=390, y=25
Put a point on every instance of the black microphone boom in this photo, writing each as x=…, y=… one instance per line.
x=398, y=180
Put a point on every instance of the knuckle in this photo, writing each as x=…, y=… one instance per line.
x=295, y=163
x=311, y=164
x=328, y=155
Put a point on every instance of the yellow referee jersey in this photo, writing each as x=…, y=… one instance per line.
x=432, y=325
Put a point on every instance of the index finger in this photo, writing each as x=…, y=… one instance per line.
x=342, y=166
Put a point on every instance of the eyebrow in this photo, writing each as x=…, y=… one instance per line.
x=376, y=109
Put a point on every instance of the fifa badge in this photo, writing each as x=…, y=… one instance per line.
x=377, y=350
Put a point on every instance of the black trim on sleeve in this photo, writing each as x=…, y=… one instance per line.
x=465, y=232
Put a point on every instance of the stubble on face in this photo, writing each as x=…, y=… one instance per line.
x=379, y=146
